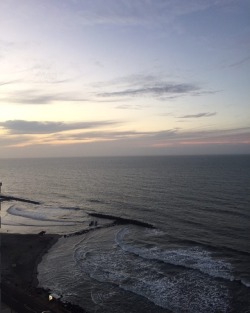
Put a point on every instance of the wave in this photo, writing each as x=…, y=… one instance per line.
x=186, y=293
x=191, y=257
x=94, y=258
x=96, y=201
x=176, y=289
x=14, y=210
x=43, y=214
x=245, y=282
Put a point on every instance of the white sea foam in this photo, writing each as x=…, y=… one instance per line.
x=44, y=213
x=245, y=282
x=26, y=212
x=190, y=257
x=186, y=291
x=101, y=296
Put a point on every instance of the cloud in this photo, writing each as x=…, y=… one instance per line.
x=240, y=62
x=35, y=127
x=155, y=91
x=36, y=97
x=158, y=139
x=130, y=80
x=131, y=107
x=140, y=85
x=104, y=135
x=108, y=12
x=123, y=87
x=2, y=83
x=139, y=12
x=159, y=90
x=185, y=137
x=45, y=71
x=52, y=138
x=5, y=45
x=198, y=115
x=13, y=140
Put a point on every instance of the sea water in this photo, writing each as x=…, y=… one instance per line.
x=195, y=259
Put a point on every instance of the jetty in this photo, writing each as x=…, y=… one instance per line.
x=122, y=220
x=11, y=198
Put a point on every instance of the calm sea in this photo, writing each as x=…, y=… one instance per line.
x=196, y=259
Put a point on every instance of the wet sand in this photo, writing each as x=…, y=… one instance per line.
x=20, y=255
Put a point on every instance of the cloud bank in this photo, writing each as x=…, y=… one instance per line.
x=134, y=86
x=33, y=133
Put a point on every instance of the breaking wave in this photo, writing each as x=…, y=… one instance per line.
x=193, y=257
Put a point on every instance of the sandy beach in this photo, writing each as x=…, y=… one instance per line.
x=20, y=255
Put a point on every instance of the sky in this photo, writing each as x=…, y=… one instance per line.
x=124, y=77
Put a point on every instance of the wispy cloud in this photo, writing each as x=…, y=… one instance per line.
x=163, y=138
x=198, y=115
x=27, y=133
x=148, y=85
x=14, y=140
x=101, y=135
x=180, y=136
x=154, y=91
x=6, y=45
x=128, y=87
x=122, y=12
x=131, y=107
x=38, y=97
x=130, y=80
x=240, y=62
x=2, y=83
x=137, y=12
x=35, y=127
x=46, y=71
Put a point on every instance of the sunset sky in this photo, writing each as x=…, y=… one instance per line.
x=124, y=77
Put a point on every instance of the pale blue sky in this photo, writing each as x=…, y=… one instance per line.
x=124, y=77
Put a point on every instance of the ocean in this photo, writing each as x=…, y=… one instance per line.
x=194, y=258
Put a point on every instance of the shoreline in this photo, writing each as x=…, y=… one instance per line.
x=53, y=241
x=20, y=256
x=22, y=253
